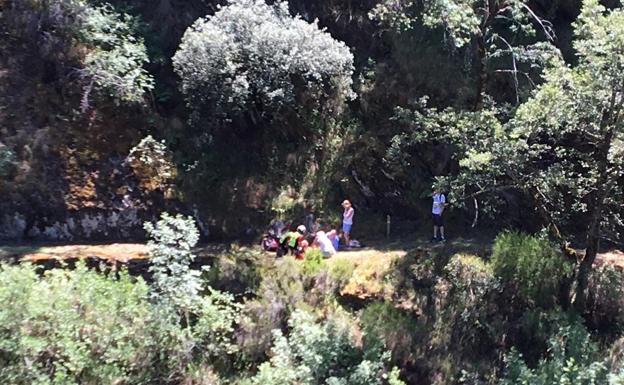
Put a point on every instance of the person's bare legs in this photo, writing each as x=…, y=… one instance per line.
x=346, y=237
x=442, y=232
x=435, y=232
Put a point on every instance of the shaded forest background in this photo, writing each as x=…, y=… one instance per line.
x=66, y=173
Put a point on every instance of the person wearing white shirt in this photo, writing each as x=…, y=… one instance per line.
x=439, y=201
x=325, y=244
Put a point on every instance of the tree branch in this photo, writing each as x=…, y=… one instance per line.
x=546, y=25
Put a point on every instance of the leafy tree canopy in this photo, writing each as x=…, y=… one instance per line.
x=254, y=56
x=502, y=34
x=96, y=42
x=563, y=147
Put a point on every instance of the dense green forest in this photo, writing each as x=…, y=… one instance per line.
x=191, y=125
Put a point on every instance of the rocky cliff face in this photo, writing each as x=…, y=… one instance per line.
x=62, y=173
x=81, y=225
x=63, y=169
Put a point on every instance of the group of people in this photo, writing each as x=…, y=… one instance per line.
x=295, y=242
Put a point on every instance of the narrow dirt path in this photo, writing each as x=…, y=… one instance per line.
x=113, y=252
x=378, y=252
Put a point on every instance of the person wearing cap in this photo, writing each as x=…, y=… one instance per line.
x=294, y=242
x=347, y=220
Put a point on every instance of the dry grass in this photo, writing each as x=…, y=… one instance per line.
x=370, y=267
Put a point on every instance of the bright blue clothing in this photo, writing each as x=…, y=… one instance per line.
x=335, y=242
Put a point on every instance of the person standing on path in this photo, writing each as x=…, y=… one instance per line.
x=439, y=201
x=347, y=221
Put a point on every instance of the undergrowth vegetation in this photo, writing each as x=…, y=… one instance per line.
x=95, y=42
x=534, y=265
x=113, y=111
x=289, y=322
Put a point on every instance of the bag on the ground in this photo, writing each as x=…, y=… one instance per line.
x=354, y=243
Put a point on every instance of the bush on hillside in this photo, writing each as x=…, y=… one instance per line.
x=323, y=353
x=313, y=261
x=80, y=326
x=208, y=320
x=77, y=327
x=113, y=65
x=279, y=294
x=468, y=313
x=51, y=26
x=251, y=55
x=171, y=240
x=7, y=161
x=534, y=329
x=97, y=39
x=605, y=302
x=572, y=359
x=340, y=272
x=152, y=163
x=395, y=329
x=287, y=285
x=532, y=265
x=237, y=271
x=464, y=322
x=84, y=327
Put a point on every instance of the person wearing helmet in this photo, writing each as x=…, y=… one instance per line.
x=293, y=242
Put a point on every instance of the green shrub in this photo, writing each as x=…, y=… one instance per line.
x=287, y=285
x=535, y=328
x=397, y=330
x=84, y=327
x=572, y=359
x=416, y=271
x=250, y=54
x=75, y=327
x=152, y=163
x=96, y=40
x=171, y=240
x=469, y=272
x=208, y=320
x=605, y=303
x=114, y=62
x=313, y=261
x=323, y=353
x=200, y=375
x=49, y=25
x=237, y=271
x=7, y=161
x=468, y=320
x=279, y=294
x=533, y=265
x=340, y=272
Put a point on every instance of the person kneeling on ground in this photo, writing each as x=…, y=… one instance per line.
x=293, y=242
x=333, y=237
x=325, y=244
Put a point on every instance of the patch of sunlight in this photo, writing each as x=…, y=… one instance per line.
x=371, y=267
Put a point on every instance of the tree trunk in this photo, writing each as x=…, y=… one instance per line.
x=597, y=207
x=490, y=9
x=482, y=76
x=592, y=247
